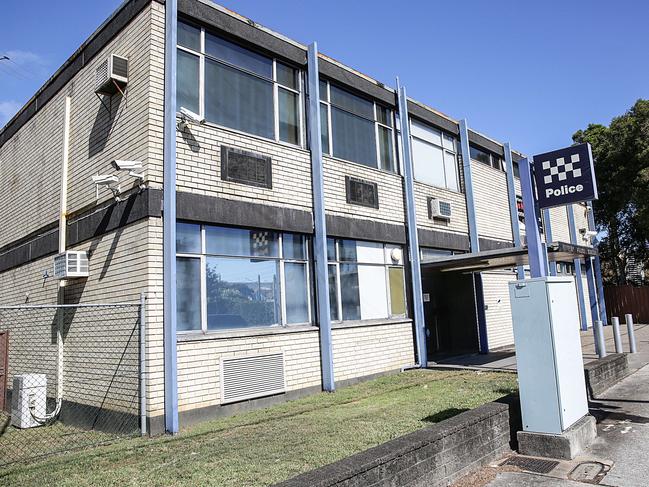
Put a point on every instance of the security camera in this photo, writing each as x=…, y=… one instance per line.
x=587, y=233
x=105, y=179
x=109, y=181
x=187, y=116
x=127, y=165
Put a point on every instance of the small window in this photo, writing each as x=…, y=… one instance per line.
x=397, y=291
x=246, y=167
x=188, y=238
x=480, y=155
x=361, y=192
x=189, y=36
x=241, y=242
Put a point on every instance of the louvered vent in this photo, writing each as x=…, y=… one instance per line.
x=120, y=67
x=250, y=377
x=361, y=192
x=246, y=167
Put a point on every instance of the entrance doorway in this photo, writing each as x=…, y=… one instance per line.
x=450, y=313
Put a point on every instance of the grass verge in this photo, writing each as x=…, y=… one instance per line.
x=266, y=446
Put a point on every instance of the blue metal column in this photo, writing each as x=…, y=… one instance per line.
x=592, y=292
x=578, y=280
x=169, y=222
x=597, y=269
x=513, y=210
x=547, y=225
x=473, y=233
x=413, y=238
x=320, y=223
x=535, y=249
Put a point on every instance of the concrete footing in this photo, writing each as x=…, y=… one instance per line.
x=565, y=446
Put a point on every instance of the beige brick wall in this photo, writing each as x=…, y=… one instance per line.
x=199, y=167
x=119, y=272
x=500, y=332
x=199, y=374
x=458, y=222
x=491, y=203
x=364, y=350
x=390, y=189
x=559, y=224
x=30, y=163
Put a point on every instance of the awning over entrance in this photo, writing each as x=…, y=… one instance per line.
x=505, y=258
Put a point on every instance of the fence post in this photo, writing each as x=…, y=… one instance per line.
x=629, y=327
x=142, y=364
x=600, y=346
x=615, y=322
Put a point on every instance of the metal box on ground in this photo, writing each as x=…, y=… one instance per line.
x=29, y=396
x=548, y=353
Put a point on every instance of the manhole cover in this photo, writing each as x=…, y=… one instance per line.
x=536, y=465
x=591, y=472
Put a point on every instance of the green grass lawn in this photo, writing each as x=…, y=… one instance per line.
x=266, y=446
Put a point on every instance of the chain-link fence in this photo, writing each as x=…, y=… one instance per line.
x=70, y=376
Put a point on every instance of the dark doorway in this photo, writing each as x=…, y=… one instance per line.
x=450, y=313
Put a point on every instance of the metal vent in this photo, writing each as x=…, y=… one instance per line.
x=120, y=67
x=537, y=465
x=246, y=167
x=361, y=192
x=251, y=377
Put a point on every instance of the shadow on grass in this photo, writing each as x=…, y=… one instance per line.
x=442, y=415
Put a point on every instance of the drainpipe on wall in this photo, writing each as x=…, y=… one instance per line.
x=169, y=222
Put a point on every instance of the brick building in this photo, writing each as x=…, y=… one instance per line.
x=247, y=323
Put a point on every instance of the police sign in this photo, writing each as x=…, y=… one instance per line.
x=565, y=176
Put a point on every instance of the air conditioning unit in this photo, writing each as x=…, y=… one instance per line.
x=439, y=209
x=111, y=75
x=71, y=264
x=28, y=399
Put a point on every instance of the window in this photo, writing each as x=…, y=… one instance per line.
x=517, y=169
x=230, y=278
x=429, y=253
x=487, y=158
x=356, y=129
x=434, y=156
x=237, y=88
x=366, y=280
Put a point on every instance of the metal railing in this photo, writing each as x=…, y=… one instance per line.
x=75, y=377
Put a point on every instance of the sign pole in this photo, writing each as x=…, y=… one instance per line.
x=535, y=248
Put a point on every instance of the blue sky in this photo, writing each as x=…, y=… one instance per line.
x=526, y=72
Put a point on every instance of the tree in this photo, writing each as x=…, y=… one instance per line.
x=621, y=154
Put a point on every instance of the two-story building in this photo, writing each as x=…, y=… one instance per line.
x=252, y=190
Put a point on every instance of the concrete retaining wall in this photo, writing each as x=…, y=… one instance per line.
x=604, y=373
x=433, y=456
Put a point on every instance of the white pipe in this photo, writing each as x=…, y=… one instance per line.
x=62, y=248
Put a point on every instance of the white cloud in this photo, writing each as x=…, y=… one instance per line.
x=7, y=110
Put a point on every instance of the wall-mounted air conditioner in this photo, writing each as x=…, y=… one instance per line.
x=111, y=75
x=71, y=264
x=439, y=209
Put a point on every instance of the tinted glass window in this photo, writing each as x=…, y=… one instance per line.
x=354, y=138
x=189, y=36
x=352, y=103
x=238, y=241
x=187, y=81
x=238, y=100
x=188, y=294
x=238, y=56
x=188, y=238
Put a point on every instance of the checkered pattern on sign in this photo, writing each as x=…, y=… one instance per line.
x=560, y=169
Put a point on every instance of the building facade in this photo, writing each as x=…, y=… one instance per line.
x=247, y=323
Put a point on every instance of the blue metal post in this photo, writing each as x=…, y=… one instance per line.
x=468, y=184
x=169, y=222
x=513, y=210
x=474, y=238
x=320, y=223
x=597, y=268
x=577, y=262
x=534, y=247
x=547, y=225
x=413, y=238
x=592, y=292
